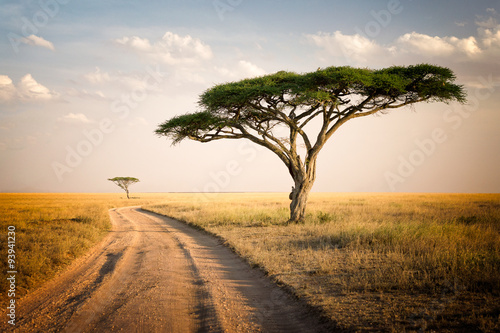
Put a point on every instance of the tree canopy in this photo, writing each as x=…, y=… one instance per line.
x=124, y=182
x=255, y=108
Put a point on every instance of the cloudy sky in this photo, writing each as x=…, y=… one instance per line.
x=84, y=84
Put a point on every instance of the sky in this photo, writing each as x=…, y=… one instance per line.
x=84, y=84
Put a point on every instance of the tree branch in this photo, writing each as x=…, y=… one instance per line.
x=266, y=144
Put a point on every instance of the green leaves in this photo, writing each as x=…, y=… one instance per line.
x=337, y=78
x=127, y=179
x=190, y=125
x=323, y=85
x=234, y=95
x=431, y=82
x=271, y=98
x=124, y=182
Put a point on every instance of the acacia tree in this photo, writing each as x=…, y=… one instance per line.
x=124, y=182
x=262, y=109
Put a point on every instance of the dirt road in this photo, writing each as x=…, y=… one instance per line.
x=155, y=274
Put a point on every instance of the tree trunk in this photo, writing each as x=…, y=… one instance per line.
x=127, y=194
x=299, y=197
x=298, y=205
x=303, y=177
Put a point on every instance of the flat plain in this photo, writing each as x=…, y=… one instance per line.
x=365, y=261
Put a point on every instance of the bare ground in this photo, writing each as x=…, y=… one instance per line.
x=155, y=274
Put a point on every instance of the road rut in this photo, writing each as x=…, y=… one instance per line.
x=155, y=274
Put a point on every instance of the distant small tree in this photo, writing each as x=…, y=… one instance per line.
x=274, y=111
x=124, y=182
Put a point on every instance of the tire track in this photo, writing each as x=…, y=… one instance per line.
x=156, y=274
x=244, y=299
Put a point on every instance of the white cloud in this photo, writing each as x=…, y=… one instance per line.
x=361, y=50
x=436, y=46
x=27, y=90
x=243, y=69
x=355, y=47
x=75, y=118
x=85, y=94
x=172, y=49
x=97, y=76
x=489, y=23
x=424, y=44
x=468, y=45
x=38, y=41
x=251, y=69
x=7, y=89
x=471, y=56
x=136, y=43
x=490, y=37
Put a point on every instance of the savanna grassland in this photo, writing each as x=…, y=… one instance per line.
x=369, y=262
x=54, y=229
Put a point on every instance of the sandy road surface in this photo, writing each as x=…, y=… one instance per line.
x=155, y=274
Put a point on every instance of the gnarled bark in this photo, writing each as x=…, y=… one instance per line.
x=303, y=177
x=299, y=197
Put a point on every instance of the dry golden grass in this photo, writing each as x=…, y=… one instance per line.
x=369, y=262
x=54, y=229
